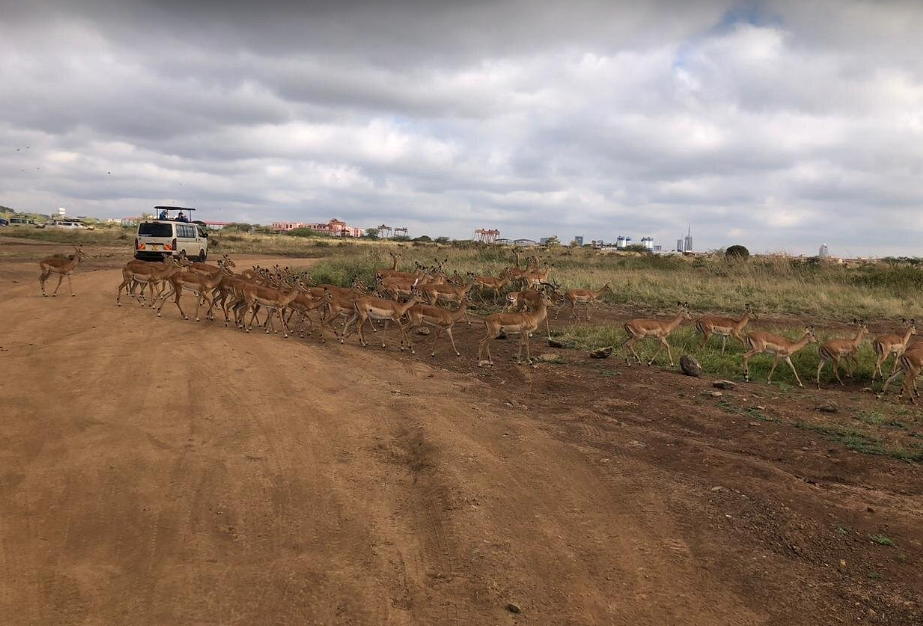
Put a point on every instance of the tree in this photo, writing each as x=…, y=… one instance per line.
x=442, y=240
x=552, y=241
x=737, y=253
x=371, y=233
x=424, y=239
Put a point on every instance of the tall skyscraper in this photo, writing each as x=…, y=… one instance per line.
x=687, y=245
x=679, y=245
x=824, y=252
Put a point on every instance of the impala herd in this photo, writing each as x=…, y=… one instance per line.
x=429, y=298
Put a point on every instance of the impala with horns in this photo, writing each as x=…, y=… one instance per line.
x=370, y=309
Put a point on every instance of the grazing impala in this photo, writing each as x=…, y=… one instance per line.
x=726, y=327
x=836, y=349
x=886, y=345
x=437, y=317
x=523, y=324
x=656, y=329
x=61, y=267
x=781, y=348
x=585, y=297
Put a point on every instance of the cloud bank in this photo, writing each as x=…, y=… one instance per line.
x=778, y=125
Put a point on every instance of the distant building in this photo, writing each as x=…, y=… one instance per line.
x=647, y=243
x=62, y=211
x=680, y=245
x=334, y=227
x=687, y=244
x=525, y=243
x=284, y=227
x=823, y=253
x=544, y=240
x=578, y=240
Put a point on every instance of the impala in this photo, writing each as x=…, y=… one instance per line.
x=781, y=348
x=440, y=319
x=910, y=364
x=61, y=267
x=141, y=269
x=726, y=327
x=523, y=324
x=197, y=283
x=370, y=308
x=656, y=329
x=836, y=349
x=147, y=275
x=489, y=283
x=886, y=345
x=582, y=296
x=446, y=292
x=270, y=298
x=528, y=300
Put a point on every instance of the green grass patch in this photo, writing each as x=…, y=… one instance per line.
x=882, y=540
x=850, y=439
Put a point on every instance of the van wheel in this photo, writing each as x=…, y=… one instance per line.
x=202, y=256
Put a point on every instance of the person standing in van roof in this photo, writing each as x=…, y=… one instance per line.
x=163, y=215
x=181, y=217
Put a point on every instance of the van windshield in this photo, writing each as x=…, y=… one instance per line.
x=155, y=229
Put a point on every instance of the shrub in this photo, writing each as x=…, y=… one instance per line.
x=304, y=232
x=737, y=252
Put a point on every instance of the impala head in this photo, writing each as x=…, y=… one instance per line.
x=607, y=287
x=228, y=262
x=684, y=310
x=79, y=253
x=809, y=331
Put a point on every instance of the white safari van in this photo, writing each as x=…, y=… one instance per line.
x=157, y=238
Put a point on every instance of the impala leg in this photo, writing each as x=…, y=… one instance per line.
x=452, y=339
x=706, y=335
x=794, y=371
x=836, y=369
x=749, y=355
x=669, y=350
x=70, y=285
x=198, y=305
x=528, y=348
x=893, y=375
x=724, y=344
x=176, y=299
x=775, y=362
x=118, y=298
x=284, y=325
x=41, y=280
x=55, y=292
x=820, y=366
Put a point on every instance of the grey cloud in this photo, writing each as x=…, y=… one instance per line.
x=777, y=126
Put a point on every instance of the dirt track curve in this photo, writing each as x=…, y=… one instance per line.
x=156, y=471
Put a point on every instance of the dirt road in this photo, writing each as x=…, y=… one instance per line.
x=160, y=471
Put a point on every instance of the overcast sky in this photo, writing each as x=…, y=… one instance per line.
x=778, y=125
